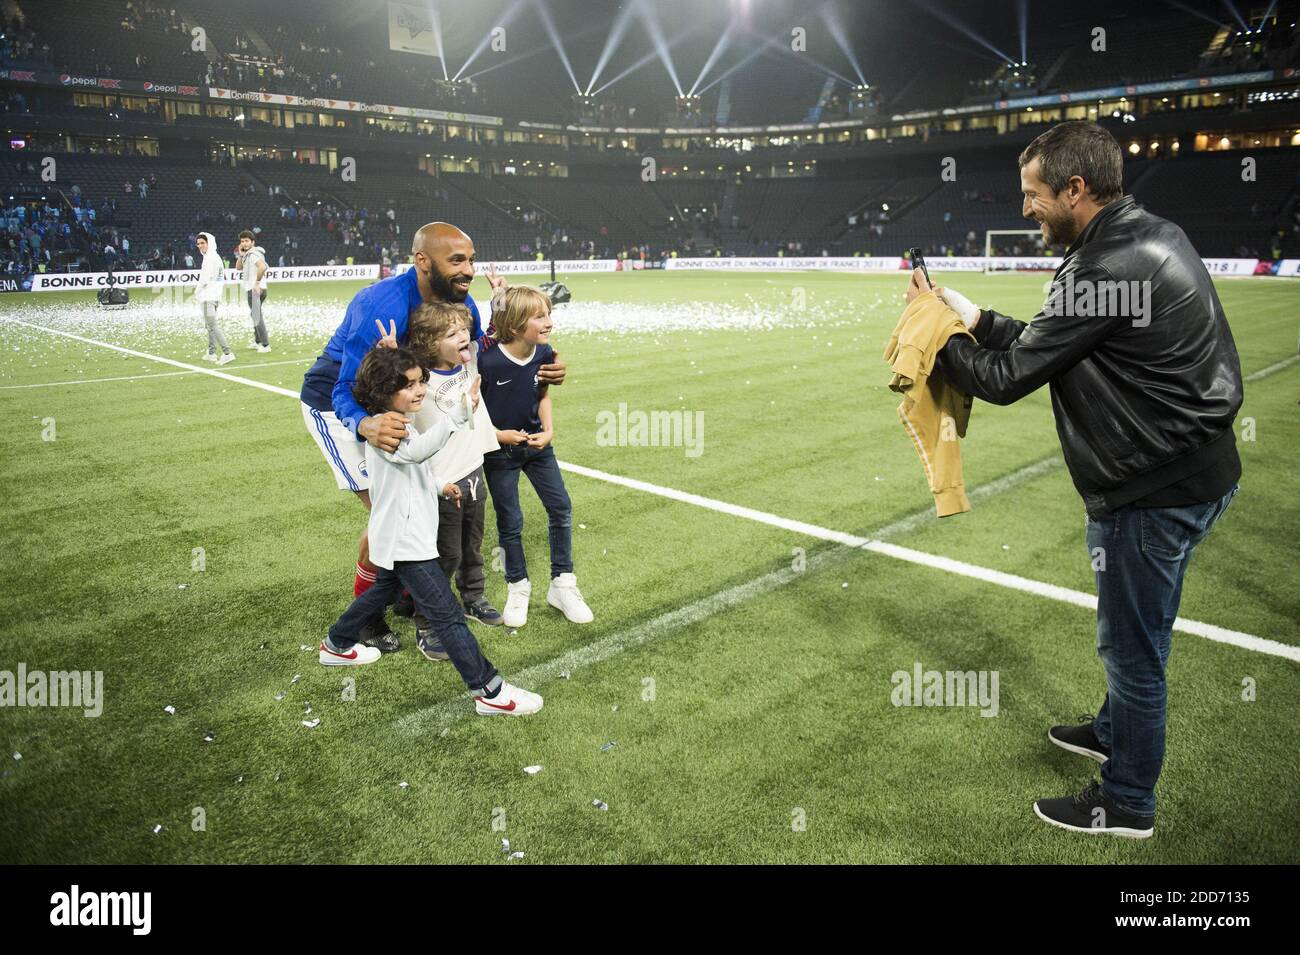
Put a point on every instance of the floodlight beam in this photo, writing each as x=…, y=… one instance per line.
x=616, y=34
x=718, y=47
x=487, y=39
x=544, y=12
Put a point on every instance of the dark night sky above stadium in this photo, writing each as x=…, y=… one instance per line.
x=917, y=52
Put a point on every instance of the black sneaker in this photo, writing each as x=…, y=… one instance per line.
x=1080, y=739
x=483, y=612
x=405, y=606
x=1090, y=811
x=430, y=646
x=379, y=635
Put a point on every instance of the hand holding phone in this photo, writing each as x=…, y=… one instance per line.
x=918, y=262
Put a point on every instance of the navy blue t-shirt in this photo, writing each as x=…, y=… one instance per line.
x=510, y=388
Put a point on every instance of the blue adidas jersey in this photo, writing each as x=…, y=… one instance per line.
x=327, y=385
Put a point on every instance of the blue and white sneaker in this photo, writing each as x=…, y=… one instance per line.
x=430, y=646
x=483, y=612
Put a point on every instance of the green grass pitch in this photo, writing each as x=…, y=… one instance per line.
x=750, y=703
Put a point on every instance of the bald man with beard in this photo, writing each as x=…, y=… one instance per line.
x=443, y=269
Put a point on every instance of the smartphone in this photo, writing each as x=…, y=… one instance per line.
x=918, y=262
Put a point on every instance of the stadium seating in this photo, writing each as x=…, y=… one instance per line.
x=879, y=203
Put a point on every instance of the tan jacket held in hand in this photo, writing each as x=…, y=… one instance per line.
x=933, y=411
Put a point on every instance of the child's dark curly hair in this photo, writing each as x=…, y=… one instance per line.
x=383, y=374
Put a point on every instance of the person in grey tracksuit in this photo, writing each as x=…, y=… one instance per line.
x=252, y=262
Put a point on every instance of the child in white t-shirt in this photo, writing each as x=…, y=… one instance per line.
x=403, y=529
x=439, y=334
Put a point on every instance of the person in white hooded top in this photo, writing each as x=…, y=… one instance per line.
x=208, y=295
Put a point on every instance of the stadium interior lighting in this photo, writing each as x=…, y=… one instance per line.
x=636, y=65
x=956, y=24
x=544, y=12
x=503, y=21
x=590, y=31
x=1022, y=21
x=616, y=34
x=804, y=59
x=718, y=48
x=777, y=44
x=435, y=18
x=747, y=58
x=1231, y=8
x=651, y=20
x=1197, y=13
x=830, y=15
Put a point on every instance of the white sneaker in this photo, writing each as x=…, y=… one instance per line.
x=509, y=701
x=563, y=595
x=210, y=356
x=356, y=655
x=226, y=359
x=263, y=348
x=516, y=612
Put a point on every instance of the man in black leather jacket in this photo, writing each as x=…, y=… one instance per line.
x=1145, y=386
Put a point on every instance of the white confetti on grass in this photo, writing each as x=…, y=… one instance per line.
x=152, y=321
x=311, y=724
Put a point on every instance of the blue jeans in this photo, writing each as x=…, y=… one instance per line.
x=431, y=592
x=502, y=469
x=1140, y=555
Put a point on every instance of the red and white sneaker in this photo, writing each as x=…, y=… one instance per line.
x=354, y=656
x=510, y=701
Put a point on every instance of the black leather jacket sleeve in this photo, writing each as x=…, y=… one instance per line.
x=1013, y=359
x=995, y=330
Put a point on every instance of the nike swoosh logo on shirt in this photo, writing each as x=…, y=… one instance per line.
x=497, y=706
x=506, y=382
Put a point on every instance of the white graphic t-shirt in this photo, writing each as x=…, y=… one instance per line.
x=463, y=454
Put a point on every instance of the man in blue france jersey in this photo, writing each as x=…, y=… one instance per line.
x=442, y=271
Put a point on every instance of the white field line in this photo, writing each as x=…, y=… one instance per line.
x=161, y=374
x=166, y=361
x=1010, y=581
x=1271, y=369
x=609, y=646
x=715, y=603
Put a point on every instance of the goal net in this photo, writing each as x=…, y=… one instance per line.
x=1010, y=243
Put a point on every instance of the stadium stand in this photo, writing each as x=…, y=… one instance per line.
x=815, y=190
